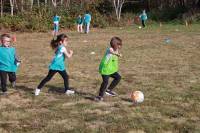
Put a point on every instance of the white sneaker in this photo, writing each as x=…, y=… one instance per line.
x=68, y=92
x=37, y=92
x=110, y=93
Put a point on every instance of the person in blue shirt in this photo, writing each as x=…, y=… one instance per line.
x=86, y=21
x=143, y=18
x=79, y=22
x=56, y=20
x=57, y=64
x=8, y=62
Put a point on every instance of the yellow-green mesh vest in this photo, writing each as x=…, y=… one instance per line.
x=109, y=63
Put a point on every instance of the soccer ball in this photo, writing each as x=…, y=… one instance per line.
x=139, y=27
x=137, y=97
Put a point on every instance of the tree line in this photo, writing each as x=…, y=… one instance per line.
x=104, y=11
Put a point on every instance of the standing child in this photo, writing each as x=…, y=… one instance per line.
x=56, y=20
x=109, y=68
x=87, y=19
x=8, y=62
x=58, y=63
x=143, y=18
x=79, y=22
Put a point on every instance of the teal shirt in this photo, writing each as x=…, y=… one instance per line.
x=56, y=19
x=79, y=20
x=143, y=16
x=58, y=62
x=87, y=18
x=7, y=59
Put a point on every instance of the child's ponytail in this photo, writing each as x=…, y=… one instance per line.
x=55, y=42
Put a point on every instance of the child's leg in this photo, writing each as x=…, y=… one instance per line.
x=84, y=28
x=116, y=80
x=3, y=76
x=81, y=27
x=12, y=76
x=88, y=27
x=65, y=78
x=56, y=26
x=78, y=27
x=54, y=29
x=104, y=85
x=47, y=78
x=143, y=24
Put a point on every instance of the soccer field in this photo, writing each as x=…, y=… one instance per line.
x=162, y=62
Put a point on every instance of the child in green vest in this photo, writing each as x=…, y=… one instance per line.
x=109, y=68
x=8, y=62
x=57, y=65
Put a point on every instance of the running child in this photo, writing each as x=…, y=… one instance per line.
x=143, y=18
x=57, y=65
x=109, y=68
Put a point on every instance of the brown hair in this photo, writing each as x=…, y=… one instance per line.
x=115, y=42
x=5, y=35
x=55, y=42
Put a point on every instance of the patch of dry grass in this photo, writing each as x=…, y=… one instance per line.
x=167, y=73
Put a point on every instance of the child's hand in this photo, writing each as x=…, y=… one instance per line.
x=18, y=63
x=71, y=52
x=120, y=55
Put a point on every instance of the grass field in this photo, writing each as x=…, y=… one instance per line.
x=167, y=73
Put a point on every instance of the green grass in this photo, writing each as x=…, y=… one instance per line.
x=167, y=74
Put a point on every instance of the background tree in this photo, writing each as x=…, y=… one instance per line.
x=118, y=8
x=12, y=2
x=1, y=8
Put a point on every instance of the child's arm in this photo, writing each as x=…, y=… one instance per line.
x=115, y=52
x=67, y=53
x=17, y=60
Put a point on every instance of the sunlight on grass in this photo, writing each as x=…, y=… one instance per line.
x=167, y=74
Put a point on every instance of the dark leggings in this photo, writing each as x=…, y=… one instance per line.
x=113, y=84
x=51, y=74
x=143, y=23
x=3, y=77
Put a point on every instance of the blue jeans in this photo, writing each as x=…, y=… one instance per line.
x=87, y=27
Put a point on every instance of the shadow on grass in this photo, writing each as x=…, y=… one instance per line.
x=58, y=90
x=29, y=92
x=126, y=100
x=87, y=95
x=54, y=89
x=25, y=89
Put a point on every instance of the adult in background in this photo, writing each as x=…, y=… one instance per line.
x=86, y=21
